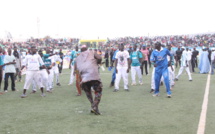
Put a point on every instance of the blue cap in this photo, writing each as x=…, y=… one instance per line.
x=143, y=45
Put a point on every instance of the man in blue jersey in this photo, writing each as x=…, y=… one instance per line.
x=114, y=71
x=159, y=58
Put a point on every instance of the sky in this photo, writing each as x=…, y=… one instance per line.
x=92, y=19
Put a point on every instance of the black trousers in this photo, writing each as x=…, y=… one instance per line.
x=11, y=75
x=194, y=63
x=107, y=63
x=146, y=69
x=178, y=61
x=60, y=67
x=1, y=75
x=97, y=86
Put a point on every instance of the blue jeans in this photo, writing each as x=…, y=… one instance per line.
x=159, y=72
x=113, y=76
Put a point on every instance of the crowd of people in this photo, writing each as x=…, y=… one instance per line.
x=123, y=55
x=195, y=40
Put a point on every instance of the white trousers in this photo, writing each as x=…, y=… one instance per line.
x=136, y=70
x=181, y=71
x=44, y=78
x=51, y=79
x=71, y=75
x=56, y=73
x=122, y=72
x=153, y=79
x=30, y=76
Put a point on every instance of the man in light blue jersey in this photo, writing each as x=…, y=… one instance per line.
x=73, y=57
x=136, y=60
x=159, y=58
x=114, y=71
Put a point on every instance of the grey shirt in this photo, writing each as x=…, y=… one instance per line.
x=87, y=66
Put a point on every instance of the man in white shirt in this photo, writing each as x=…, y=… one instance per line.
x=122, y=65
x=33, y=62
x=10, y=70
x=212, y=60
x=189, y=56
x=184, y=65
x=55, y=69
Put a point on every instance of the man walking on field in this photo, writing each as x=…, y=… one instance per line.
x=184, y=65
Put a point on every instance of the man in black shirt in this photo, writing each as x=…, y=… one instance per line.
x=150, y=52
x=60, y=66
x=107, y=58
x=194, y=59
x=209, y=54
x=178, y=56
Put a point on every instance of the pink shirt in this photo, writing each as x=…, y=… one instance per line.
x=146, y=53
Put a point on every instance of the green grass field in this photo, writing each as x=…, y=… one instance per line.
x=134, y=112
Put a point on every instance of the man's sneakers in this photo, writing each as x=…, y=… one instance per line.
x=141, y=83
x=96, y=112
x=49, y=91
x=43, y=95
x=127, y=90
x=23, y=96
x=58, y=84
x=115, y=90
x=33, y=92
x=152, y=91
x=176, y=79
x=133, y=84
x=190, y=80
x=5, y=91
x=69, y=84
x=111, y=84
x=169, y=96
x=155, y=95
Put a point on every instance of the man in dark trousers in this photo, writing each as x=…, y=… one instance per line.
x=87, y=66
x=60, y=66
x=178, y=57
x=10, y=70
x=194, y=63
x=107, y=58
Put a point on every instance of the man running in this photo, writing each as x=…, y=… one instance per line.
x=86, y=65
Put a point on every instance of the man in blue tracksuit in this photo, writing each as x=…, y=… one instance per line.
x=159, y=58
